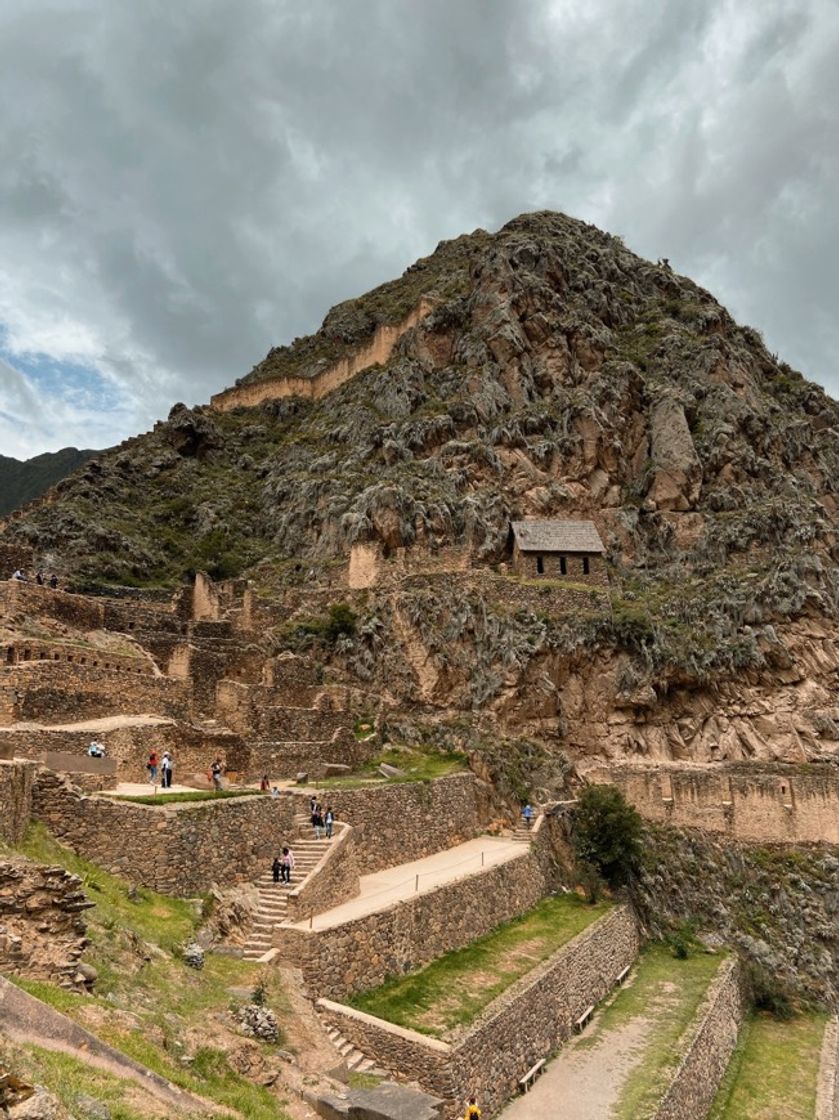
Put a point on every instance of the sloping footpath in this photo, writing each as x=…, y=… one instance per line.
x=27, y=1020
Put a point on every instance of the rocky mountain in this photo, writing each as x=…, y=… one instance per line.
x=21, y=480
x=556, y=374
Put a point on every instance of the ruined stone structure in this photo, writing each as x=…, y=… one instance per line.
x=42, y=933
x=313, y=384
x=751, y=802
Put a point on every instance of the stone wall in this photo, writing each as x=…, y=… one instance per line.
x=20, y=650
x=376, y=351
x=16, y=783
x=177, y=849
x=42, y=934
x=192, y=748
x=366, y=951
x=286, y=759
x=552, y=563
x=528, y=1022
x=38, y=691
x=333, y=880
x=755, y=802
x=408, y=820
x=705, y=1048
x=29, y=599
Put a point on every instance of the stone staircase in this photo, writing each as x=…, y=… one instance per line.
x=272, y=907
x=522, y=833
x=351, y=1056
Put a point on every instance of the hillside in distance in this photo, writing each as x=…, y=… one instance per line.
x=21, y=480
x=557, y=375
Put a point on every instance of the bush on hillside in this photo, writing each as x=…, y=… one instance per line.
x=607, y=834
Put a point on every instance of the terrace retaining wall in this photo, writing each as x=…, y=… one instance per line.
x=177, y=849
x=364, y=952
x=526, y=1023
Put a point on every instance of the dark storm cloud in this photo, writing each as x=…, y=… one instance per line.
x=184, y=185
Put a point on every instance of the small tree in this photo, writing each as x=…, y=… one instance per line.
x=607, y=833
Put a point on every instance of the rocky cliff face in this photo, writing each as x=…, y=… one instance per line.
x=558, y=375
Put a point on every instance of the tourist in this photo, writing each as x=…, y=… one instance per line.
x=317, y=820
x=215, y=772
x=287, y=865
x=39, y=578
x=329, y=821
x=20, y=575
x=151, y=766
x=472, y=1111
x=96, y=749
x=264, y=784
x=527, y=815
x=276, y=867
x=166, y=770
x=275, y=792
x=54, y=582
x=313, y=804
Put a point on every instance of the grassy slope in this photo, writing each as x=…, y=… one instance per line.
x=773, y=1072
x=457, y=987
x=669, y=991
x=148, y=1003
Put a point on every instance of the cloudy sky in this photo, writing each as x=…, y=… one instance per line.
x=183, y=185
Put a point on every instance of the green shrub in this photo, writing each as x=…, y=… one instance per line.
x=769, y=993
x=607, y=833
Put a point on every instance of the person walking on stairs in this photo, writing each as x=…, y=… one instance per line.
x=329, y=822
x=287, y=865
x=317, y=819
x=276, y=868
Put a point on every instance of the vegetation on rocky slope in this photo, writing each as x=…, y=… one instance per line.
x=559, y=375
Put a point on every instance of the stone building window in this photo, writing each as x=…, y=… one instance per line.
x=540, y=565
x=585, y=565
x=563, y=566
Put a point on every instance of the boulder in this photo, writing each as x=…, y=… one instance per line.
x=388, y=771
x=336, y=770
x=677, y=471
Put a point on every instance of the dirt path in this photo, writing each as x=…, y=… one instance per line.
x=584, y=1081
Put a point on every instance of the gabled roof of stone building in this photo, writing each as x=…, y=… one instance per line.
x=537, y=535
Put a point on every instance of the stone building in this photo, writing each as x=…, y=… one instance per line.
x=559, y=549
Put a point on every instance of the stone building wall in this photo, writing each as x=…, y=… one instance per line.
x=22, y=650
x=528, y=1022
x=365, y=952
x=706, y=1047
x=38, y=691
x=299, y=724
x=286, y=759
x=408, y=820
x=754, y=802
x=16, y=785
x=42, y=933
x=527, y=564
x=177, y=849
x=77, y=611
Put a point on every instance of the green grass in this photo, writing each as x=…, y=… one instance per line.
x=133, y=934
x=418, y=766
x=668, y=992
x=773, y=1071
x=155, y=800
x=70, y=1078
x=454, y=989
x=153, y=917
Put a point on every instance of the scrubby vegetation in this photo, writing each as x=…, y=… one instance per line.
x=149, y=1004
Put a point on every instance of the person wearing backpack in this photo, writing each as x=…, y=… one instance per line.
x=472, y=1111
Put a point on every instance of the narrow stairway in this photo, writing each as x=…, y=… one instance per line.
x=272, y=908
x=352, y=1057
